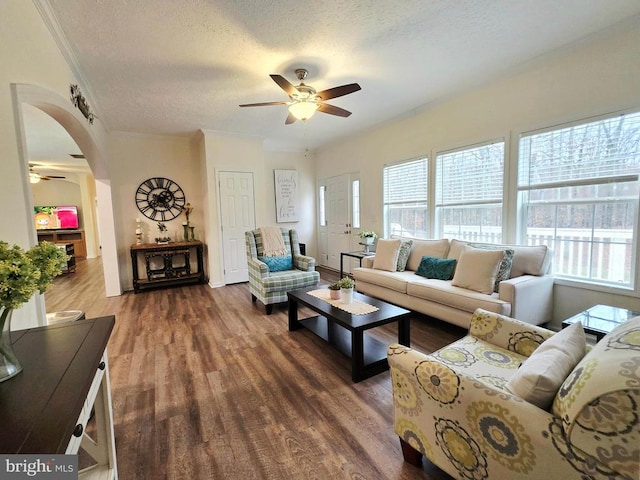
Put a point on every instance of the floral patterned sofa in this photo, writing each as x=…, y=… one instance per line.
x=453, y=406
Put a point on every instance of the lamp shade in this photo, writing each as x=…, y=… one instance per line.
x=303, y=110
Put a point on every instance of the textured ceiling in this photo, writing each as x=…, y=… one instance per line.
x=174, y=67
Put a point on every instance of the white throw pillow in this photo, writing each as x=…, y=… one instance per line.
x=387, y=255
x=541, y=375
x=477, y=269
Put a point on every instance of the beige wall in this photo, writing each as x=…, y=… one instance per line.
x=134, y=159
x=595, y=78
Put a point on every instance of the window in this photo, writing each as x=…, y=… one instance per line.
x=405, y=199
x=469, y=191
x=579, y=190
x=322, y=214
x=355, y=203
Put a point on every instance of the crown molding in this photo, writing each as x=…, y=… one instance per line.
x=51, y=21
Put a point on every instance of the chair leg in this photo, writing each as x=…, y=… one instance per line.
x=269, y=308
x=410, y=454
x=253, y=298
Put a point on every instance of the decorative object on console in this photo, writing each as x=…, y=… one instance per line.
x=139, y=238
x=160, y=199
x=21, y=275
x=367, y=237
x=163, y=238
x=81, y=104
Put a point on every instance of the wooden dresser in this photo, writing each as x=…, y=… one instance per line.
x=45, y=408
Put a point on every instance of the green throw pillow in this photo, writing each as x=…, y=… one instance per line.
x=403, y=255
x=278, y=264
x=438, y=268
x=505, y=266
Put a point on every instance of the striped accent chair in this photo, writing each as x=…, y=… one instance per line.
x=272, y=287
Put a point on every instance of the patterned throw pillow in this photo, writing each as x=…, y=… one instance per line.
x=438, y=268
x=505, y=266
x=278, y=264
x=403, y=255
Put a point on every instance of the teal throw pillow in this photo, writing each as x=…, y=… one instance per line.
x=278, y=264
x=403, y=255
x=438, y=268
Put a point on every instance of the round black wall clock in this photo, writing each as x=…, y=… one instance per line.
x=160, y=199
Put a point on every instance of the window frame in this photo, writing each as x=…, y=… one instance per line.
x=520, y=194
x=427, y=198
x=438, y=206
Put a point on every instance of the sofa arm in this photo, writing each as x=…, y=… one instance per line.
x=367, y=262
x=302, y=262
x=530, y=296
x=462, y=423
x=257, y=269
x=506, y=332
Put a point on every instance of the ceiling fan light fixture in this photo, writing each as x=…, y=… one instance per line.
x=303, y=110
x=34, y=177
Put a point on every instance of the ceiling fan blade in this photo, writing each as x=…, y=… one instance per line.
x=290, y=119
x=264, y=104
x=333, y=110
x=284, y=84
x=338, y=91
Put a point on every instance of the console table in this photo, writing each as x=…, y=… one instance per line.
x=167, y=265
x=45, y=408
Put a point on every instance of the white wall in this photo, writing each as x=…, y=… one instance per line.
x=597, y=77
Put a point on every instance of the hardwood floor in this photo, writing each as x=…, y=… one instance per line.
x=205, y=385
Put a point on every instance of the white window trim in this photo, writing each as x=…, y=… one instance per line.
x=520, y=216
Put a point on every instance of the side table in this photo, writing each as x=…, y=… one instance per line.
x=601, y=319
x=358, y=255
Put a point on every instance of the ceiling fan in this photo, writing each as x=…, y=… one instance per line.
x=35, y=177
x=305, y=101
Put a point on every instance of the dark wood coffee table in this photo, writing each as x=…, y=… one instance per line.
x=346, y=331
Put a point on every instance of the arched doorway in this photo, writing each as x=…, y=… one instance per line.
x=91, y=140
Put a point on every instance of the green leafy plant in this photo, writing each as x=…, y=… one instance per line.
x=334, y=286
x=23, y=273
x=367, y=233
x=347, y=282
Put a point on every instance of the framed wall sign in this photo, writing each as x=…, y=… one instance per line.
x=286, y=188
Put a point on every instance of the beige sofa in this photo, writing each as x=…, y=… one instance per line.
x=527, y=294
x=458, y=408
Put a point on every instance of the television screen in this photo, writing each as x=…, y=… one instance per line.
x=56, y=217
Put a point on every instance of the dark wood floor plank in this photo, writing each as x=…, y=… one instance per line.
x=205, y=385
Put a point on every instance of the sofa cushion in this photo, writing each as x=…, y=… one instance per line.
x=538, y=379
x=527, y=259
x=429, y=248
x=477, y=269
x=442, y=292
x=440, y=268
x=387, y=255
x=403, y=255
x=392, y=280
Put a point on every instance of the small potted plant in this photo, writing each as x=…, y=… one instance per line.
x=367, y=236
x=347, y=284
x=334, y=291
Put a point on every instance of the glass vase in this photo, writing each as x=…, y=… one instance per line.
x=9, y=364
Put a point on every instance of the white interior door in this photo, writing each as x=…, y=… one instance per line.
x=338, y=218
x=237, y=211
